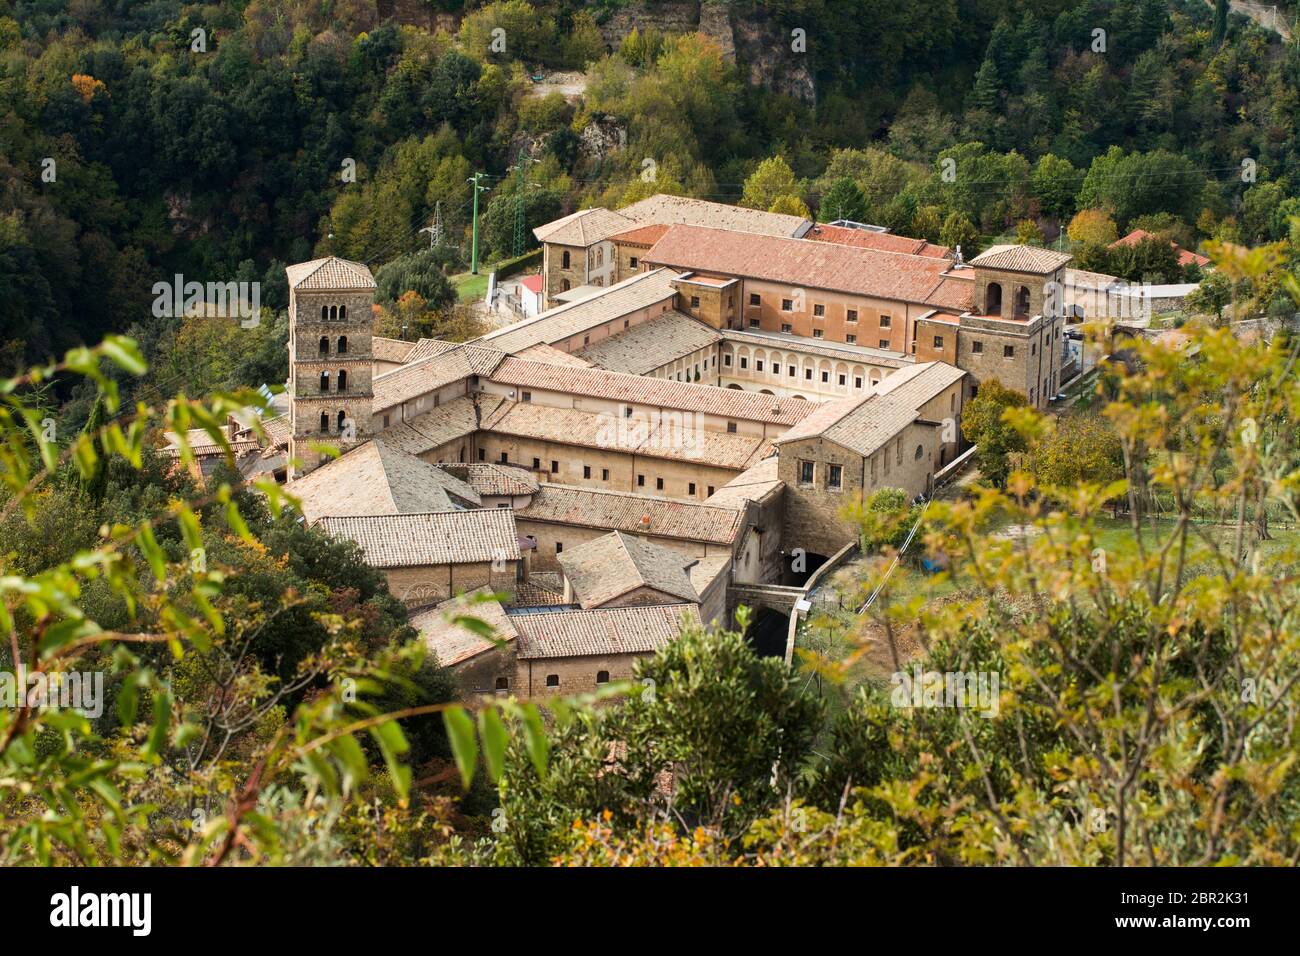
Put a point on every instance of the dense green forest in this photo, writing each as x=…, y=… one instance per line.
x=140, y=140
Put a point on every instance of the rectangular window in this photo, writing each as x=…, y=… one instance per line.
x=843, y=380
x=884, y=343
x=537, y=464
x=744, y=362
x=805, y=473
x=695, y=302
x=819, y=311
x=754, y=299
x=659, y=484
x=731, y=427
x=835, y=476
x=555, y=467
x=977, y=346
x=792, y=372
x=690, y=488
x=1008, y=351
x=586, y=471
x=884, y=321
x=640, y=481
x=482, y=454
x=851, y=315
x=873, y=469
x=559, y=547
x=898, y=450
x=817, y=333
x=787, y=305
x=758, y=365
x=857, y=381
x=1033, y=349
x=787, y=327
x=807, y=374
x=938, y=341
x=826, y=376
x=634, y=262
x=851, y=339
x=505, y=458
x=385, y=421
x=754, y=323
x=604, y=474
x=552, y=680
x=726, y=360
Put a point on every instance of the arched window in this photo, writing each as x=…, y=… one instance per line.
x=343, y=345
x=564, y=260
x=324, y=312
x=1022, y=301
x=324, y=381
x=334, y=311
x=324, y=422
x=602, y=677
x=324, y=345
x=342, y=418
x=503, y=683
x=343, y=380
x=920, y=452
x=993, y=299
x=564, y=286
x=343, y=312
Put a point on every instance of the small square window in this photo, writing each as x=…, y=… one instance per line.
x=884, y=321
x=884, y=343
x=817, y=333
x=505, y=458
x=552, y=680
x=527, y=396
x=977, y=346
x=754, y=299
x=787, y=327
x=819, y=311
x=851, y=315
x=634, y=262
x=787, y=305
x=602, y=677
x=731, y=427
x=938, y=341
x=851, y=339
x=1008, y=351
x=754, y=323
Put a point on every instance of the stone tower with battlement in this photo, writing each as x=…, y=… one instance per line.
x=330, y=358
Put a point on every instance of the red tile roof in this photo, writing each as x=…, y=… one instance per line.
x=641, y=236
x=1184, y=257
x=866, y=239
x=922, y=280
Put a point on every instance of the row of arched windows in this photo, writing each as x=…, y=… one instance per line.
x=325, y=421
x=328, y=312
x=341, y=348
x=341, y=382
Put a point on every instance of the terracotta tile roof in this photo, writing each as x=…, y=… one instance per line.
x=546, y=634
x=429, y=539
x=330, y=273
x=492, y=480
x=582, y=228
x=425, y=375
x=651, y=345
x=609, y=567
x=662, y=209
x=568, y=426
x=376, y=478
x=753, y=484
x=707, y=569
x=885, y=241
x=640, y=236
x=824, y=265
x=837, y=350
x=866, y=424
x=637, y=292
x=1184, y=256
x=533, y=283
x=390, y=350
x=453, y=643
x=635, y=514
x=532, y=593
x=542, y=352
x=438, y=426
x=656, y=392
x=1021, y=259
x=426, y=347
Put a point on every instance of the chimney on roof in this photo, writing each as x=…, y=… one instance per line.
x=645, y=521
x=957, y=257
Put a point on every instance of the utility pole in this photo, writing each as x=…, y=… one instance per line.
x=473, y=256
x=435, y=230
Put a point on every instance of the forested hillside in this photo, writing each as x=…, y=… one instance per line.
x=140, y=140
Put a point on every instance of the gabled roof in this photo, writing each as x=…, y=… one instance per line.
x=647, y=346
x=582, y=228
x=753, y=484
x=657, y=392
x=640, y=291
x=438, y=426
x=616, y=564
x=636, y=514
x=548, y=634
x=1021, y=259
x=452, y=643
x=866, y=424
x=376, y=478
x=491, y=479
x=425, y=375
x=1184, y=256
x=662, y=209
x=479, y=536
x=330, y=273
x=868, y=239
x=384, y=349
x=923, y=280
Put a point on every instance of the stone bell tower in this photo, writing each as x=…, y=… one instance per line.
x=330, y=358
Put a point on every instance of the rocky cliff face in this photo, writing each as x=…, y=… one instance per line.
x=763, y=50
